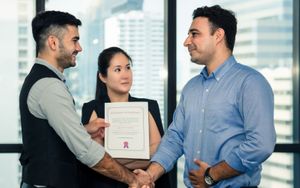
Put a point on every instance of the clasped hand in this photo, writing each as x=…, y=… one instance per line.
x=144, y=179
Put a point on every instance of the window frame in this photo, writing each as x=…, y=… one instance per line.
x=170, y=84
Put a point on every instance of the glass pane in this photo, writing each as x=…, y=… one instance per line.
x=135, y=26
x=279, y=174
x=17, y=54
x=264, y=41
x=10, y=172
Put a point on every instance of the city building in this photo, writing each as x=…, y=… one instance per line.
x=17, y=55
x=140, y=34
x=264, y=41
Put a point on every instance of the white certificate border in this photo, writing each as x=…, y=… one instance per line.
x=125, y=153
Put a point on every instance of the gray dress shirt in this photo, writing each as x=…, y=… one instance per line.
x=49, y=98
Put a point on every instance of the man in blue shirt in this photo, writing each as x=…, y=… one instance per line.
x=223, y=124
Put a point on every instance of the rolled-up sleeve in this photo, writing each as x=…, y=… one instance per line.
x=256, y=105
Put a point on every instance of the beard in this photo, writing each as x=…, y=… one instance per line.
x=197, y=60
x=65, y=58
x=194, y=57
x=201, y=58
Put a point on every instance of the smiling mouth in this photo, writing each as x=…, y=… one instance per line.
x=125, y=83
x=191, y=49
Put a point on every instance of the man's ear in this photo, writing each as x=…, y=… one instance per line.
x=220, y=34
x=102, y=78
x=52, y=42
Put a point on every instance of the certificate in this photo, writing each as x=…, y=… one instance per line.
x=128, y=133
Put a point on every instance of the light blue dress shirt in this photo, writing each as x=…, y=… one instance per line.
x=227, y=115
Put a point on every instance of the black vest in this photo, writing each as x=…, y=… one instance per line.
x=45, y=158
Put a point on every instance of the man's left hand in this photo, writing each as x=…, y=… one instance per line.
x=197, y=176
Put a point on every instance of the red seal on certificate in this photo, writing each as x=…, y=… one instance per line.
x=125, y=144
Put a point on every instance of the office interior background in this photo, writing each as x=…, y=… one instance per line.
x=152, y=32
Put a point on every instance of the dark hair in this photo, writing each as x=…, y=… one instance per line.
x=219, y=18
x=103, y=63
x=51, y=22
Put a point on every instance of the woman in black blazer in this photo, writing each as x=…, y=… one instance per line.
x=114, y=80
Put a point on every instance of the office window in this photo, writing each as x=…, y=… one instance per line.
x=265, y=42
x=17, y=54
x=126, y=24
x=10, y=172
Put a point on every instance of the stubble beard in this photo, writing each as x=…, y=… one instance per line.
x=65, y=58
x=196, y=61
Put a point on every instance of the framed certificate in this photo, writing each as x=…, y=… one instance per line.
x=128, y=133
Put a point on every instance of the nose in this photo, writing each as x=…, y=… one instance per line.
x=187, y=41
x=78, y=47
x=126, y=74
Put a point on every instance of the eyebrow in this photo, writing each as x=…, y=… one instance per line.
x=121, y=66
x=76, y=37
x=193, y=30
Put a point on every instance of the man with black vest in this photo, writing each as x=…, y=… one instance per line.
x=53, y=137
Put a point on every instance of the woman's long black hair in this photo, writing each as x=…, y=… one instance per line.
x=104, y=59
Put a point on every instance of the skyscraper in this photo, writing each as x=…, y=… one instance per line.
x=83, y=78
x=17, y=55
x=141, y=35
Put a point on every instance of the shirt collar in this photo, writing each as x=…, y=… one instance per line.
x=221, y=70
x=49, y=66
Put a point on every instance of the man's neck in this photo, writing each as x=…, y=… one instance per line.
x=219, y=59
x=51, y=60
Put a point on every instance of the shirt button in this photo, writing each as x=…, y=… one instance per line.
x=206, y=90
x=200, y=131
x=202, y=109
x=198, y=152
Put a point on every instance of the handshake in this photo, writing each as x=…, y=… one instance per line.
x=146, y=178
x=118, y=169
x=143, y=179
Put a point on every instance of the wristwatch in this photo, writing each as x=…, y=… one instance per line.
x=208, y=179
